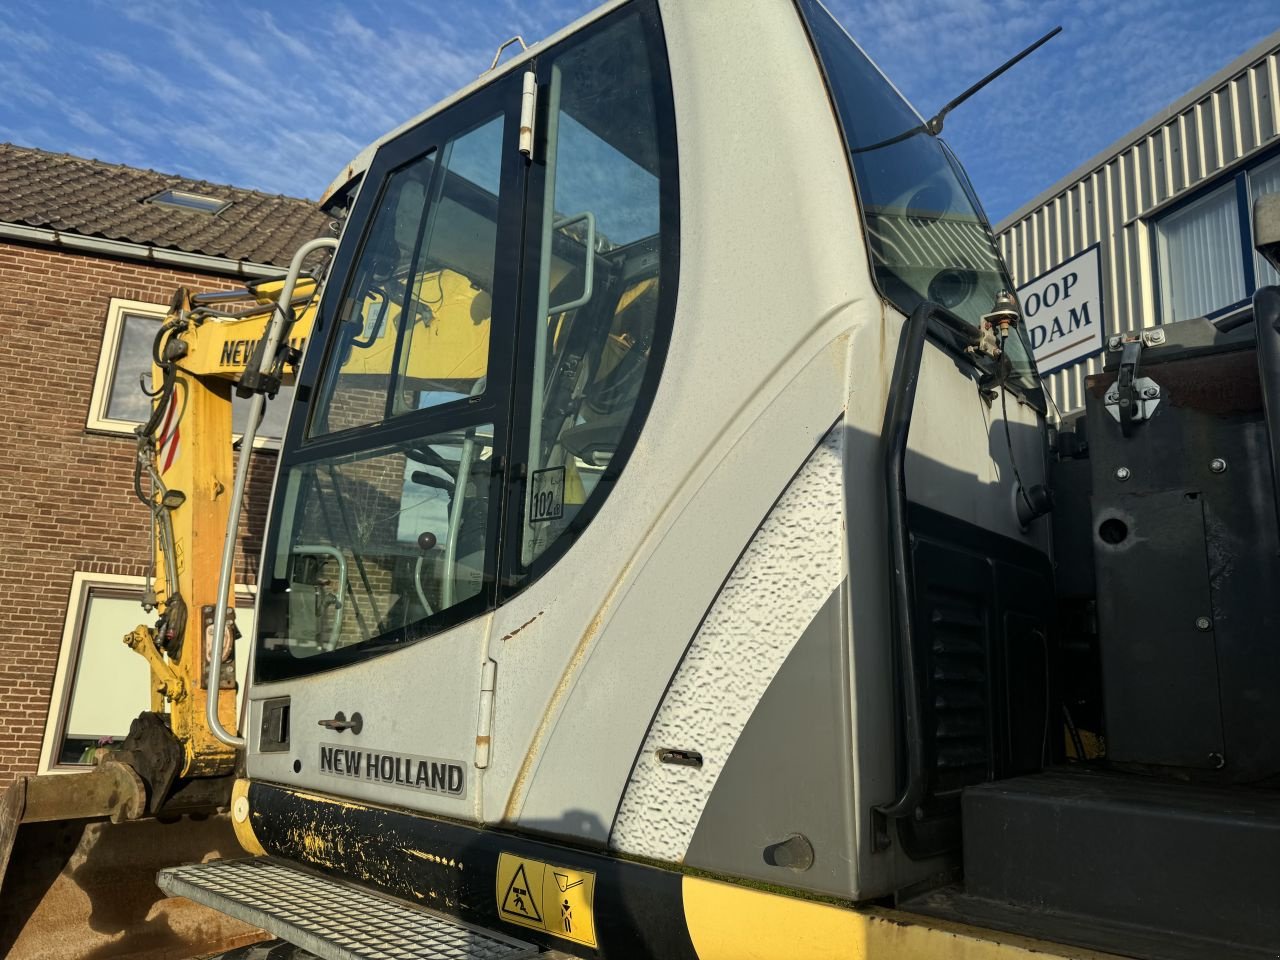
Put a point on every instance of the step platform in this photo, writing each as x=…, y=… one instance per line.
x=1122, y=863
x=331, y=919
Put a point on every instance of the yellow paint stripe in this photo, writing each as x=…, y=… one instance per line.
x=730, y=922
x=241, y=821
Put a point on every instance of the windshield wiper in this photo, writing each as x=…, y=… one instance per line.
x=933, y=126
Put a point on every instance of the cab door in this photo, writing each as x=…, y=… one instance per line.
x=381, y=567
x=598, y=295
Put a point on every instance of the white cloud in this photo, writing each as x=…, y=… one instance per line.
x=230, y=92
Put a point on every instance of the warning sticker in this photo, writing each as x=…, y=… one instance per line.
x=546, y=495
x=558, y=900
x=519, y=900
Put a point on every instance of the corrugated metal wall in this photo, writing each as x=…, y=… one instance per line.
x=1228, y=122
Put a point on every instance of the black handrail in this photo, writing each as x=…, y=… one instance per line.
x=902, y=400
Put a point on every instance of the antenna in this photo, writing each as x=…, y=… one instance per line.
x=933, y=125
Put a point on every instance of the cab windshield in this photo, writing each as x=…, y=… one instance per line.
x=927, y=235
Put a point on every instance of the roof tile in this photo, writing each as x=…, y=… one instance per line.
x=97, y=199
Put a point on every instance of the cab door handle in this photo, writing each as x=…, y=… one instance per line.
x=340, y=722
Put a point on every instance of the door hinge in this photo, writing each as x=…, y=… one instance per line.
x=484, y=726
x=528, y=107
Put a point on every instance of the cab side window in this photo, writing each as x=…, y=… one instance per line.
x=385, y=530
x=414, y=323
x=600, y=278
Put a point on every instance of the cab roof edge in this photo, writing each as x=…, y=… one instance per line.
x=360, y=163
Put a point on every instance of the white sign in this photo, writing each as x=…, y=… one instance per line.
x=1063, y=311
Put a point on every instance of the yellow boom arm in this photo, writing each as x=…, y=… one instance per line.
x=184, y=475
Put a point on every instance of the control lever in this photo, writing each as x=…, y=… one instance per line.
x=426, y=543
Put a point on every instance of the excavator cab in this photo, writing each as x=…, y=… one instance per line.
x=581, y=514
x=662, y=556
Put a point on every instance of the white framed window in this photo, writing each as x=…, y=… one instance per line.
x=1205, y=262
x=1201, y=258
x=1264, y=179
x=100, y=685
x=118, y=403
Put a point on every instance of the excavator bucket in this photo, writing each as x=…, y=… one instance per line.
x=77, y=875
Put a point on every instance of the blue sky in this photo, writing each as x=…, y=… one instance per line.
x=278, y=96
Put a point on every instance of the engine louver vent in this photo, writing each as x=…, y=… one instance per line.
x=959, y=696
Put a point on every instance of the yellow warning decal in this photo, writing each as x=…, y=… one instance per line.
x=558, y=900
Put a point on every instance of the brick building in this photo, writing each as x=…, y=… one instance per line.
x=90, y=254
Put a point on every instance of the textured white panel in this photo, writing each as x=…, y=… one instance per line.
x=792, y=565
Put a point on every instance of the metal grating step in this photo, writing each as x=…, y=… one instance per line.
x=333, y=920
